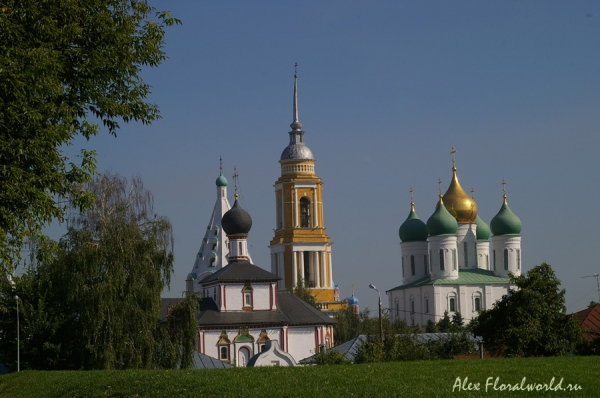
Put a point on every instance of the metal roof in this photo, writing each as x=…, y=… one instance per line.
x=474, y=276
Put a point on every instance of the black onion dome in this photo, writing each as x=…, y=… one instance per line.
x=236, y=220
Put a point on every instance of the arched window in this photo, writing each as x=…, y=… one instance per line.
x=454, y=259
x=403, y=266
x=397, y=307
x=466, y=246
x=412, y=265
x=494, y=259
x=223, y=344
x=477, y=304
x=305, y=212
x=441, y=259
x=426, y=304
x=412, y=307
x=212, y=262
x=452, y=305
x=247, y=297
x=425, y=264
x=519, y=259
x=506, y=259
x=214, y=246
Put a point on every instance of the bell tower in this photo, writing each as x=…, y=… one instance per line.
x=301, y=249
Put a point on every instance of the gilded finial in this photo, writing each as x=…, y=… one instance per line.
x=412, y=201
x=235, y=177
x=353, y=289
x=472, y=193
x=453, y=151
x=221, y=164
x=504, y=189
x=440, y=186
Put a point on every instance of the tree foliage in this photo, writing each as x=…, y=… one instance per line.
x=530, y=320
x=62, y=62
x=92, y=299
x=302, y=291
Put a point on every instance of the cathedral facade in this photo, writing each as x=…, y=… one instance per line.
x=447, y=264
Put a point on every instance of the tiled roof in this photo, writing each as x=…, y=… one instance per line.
x=474, y=276
x=241, y=271
x=292, y=311
x=589, y=318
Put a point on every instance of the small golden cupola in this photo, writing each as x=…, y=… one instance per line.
x=457, y=201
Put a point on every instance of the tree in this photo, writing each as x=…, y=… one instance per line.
x=445, y=324
x=62, y=63
x=301, y=291
x=530, y=320
x=92, y=300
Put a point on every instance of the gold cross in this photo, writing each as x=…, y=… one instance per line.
x=504, y=186
x=296, y=69
x=453, y=151
x=235, y=177
x=411, y=195
x=472, y=193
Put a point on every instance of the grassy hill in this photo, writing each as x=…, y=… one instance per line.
x=421, y=378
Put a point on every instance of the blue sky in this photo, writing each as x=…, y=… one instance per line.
x=386, y=88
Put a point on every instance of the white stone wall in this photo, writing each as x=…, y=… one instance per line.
x=301, y=342
x=448, y=245
x=420, y=252
x=466, y=233
x=512, y=243
x=439, y=301
x=261, y=297
x=483, y=254
x=234, y=297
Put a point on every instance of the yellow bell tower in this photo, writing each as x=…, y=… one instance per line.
x=301, y=249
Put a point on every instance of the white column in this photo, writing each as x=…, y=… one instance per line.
x=315, y=207
x=281, y=270
x=322, y=270
x=330, y=284
x=301, y=264
x=316, y=269
x=295, y=207
x=294, y=269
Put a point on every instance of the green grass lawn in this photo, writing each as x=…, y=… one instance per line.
x=402, y=379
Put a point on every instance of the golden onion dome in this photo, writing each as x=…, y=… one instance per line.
x=458, y=202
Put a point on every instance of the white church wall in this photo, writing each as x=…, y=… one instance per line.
x=466, y=233
x=234, y=296
x=261, y=297
x=302, y=343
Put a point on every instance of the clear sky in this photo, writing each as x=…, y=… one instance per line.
x=386, y=88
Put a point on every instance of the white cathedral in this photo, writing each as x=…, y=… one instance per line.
x=447, y=264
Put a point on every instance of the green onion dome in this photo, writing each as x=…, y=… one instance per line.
x=506, y=222
x=221, y=181
x=483, y=231
x=441, y=221
x=413, y=229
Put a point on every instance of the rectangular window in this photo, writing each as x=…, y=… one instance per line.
x=452, y=305
x=412, y=265
x=224, y=353
x=506, y=259
x=441, y=259
x=466, y=246
x=477, y=304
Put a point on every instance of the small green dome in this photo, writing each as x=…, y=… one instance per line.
x=221, y=181
x=413, y=229
x=441, y=221
x=506, y=222
x=483, y=231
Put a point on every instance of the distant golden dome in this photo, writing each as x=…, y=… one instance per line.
x=458, y=202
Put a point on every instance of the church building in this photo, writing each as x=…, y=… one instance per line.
x=447, y=264
x=301, y=248
x=241, y=309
